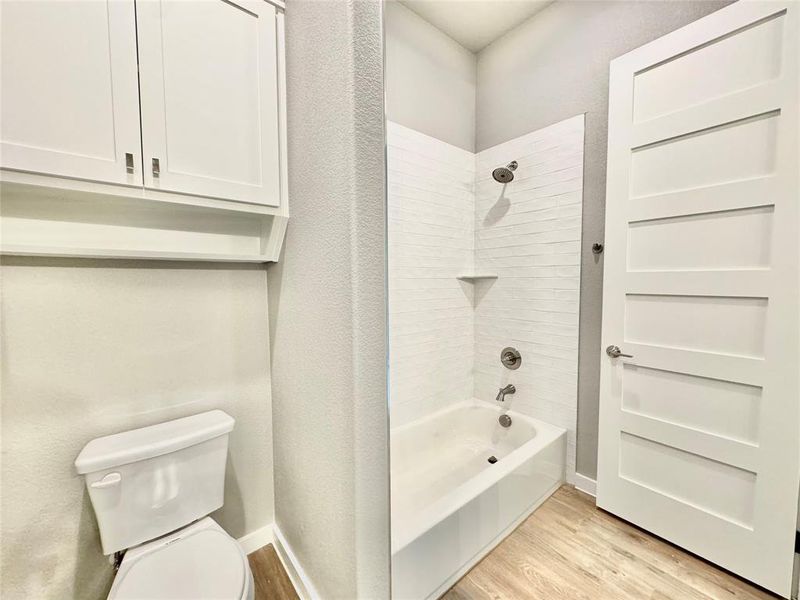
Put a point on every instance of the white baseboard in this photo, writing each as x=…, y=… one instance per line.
x=271, y=534
x=586, y=484
x=256, y=539
x=302, y=584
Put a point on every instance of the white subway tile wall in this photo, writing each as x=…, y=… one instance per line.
x=431, y=212
x=448, y=217
x=528, y=232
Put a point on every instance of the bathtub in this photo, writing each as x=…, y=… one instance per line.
x=450, y=505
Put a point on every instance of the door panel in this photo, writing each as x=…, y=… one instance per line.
x=743, y=59
x=699, y=429
x=713, y=487
x=729, y=152
x=742, y=237
x=70, y=102
x=209, y=98
x=719, y=324
x=724, y=408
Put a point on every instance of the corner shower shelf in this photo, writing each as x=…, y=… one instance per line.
x=473, y=277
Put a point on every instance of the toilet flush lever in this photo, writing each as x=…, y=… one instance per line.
x=108, y=481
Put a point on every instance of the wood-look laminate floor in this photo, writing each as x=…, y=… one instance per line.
x=566, y=550
x=271, y=580
x=570, y=550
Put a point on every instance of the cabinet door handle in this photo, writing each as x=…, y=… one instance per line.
x=129, y=162
x=156, y=168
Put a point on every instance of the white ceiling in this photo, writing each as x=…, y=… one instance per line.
x=475, y=23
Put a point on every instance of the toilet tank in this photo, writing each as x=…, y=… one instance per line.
x=146, y=482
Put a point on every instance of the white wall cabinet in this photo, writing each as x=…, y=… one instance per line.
x=175, y=104
x=208, y=76
x=69, y=95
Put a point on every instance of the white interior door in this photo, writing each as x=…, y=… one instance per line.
x=208, y=76
x=699, y=436
x=69, y=93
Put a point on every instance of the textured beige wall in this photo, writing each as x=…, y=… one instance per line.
x=327, y=304
x=95, y=347
x=552, y=67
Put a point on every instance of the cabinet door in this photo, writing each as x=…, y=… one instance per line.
x=208, y=77
x=69, y=95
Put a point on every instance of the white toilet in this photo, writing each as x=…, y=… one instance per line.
x=152, y=490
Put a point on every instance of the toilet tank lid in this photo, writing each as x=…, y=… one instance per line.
x=148, y=442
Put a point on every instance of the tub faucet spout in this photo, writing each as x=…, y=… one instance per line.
x=509, y=389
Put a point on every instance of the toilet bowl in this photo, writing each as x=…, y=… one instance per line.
x=198, y=562
x=152, y=490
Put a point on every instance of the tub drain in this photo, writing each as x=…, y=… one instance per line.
x=492, y=460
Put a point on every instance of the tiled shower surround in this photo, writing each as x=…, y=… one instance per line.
x=448, y=217
x=431, y=241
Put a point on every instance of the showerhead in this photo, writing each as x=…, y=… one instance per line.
x=505, y=174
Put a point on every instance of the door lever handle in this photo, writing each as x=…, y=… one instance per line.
x=615, y=352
